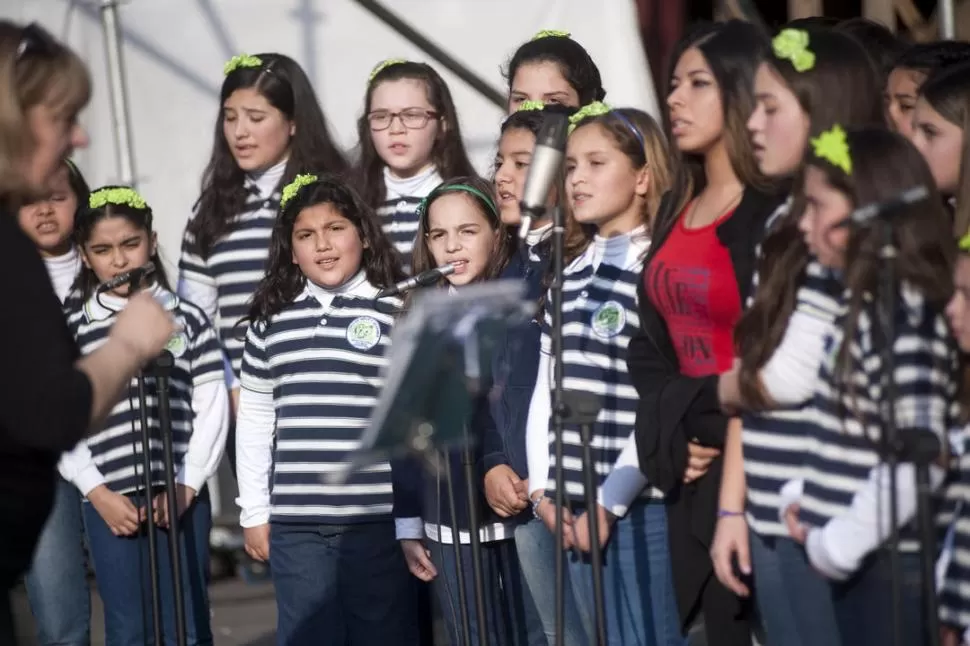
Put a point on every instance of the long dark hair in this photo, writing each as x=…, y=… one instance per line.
x=284, y=281
x=448, y=153
x=286, y=87
x=881, y=45
x=842, y=68
x=884, y=164
x=574, y=62
x=84, y=223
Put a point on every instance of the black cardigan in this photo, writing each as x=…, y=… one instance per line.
x=44, y=402
x=674, y=408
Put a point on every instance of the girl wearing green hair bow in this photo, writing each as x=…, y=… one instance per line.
x=553, y=68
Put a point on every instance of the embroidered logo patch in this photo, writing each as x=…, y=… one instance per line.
x=178, y=344
x=608, y=319
x=364, y=332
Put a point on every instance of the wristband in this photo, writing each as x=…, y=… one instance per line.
x=535, y=507
x=726, y=513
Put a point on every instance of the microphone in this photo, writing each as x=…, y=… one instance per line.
x=546, y=162
x=423, y=279
x=865, y=215
x=133, y=276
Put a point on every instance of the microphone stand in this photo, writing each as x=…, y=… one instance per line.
x=149, y=510
x=921, y=450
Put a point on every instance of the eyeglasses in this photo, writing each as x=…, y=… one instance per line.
x=414, y=118
x=35, y=41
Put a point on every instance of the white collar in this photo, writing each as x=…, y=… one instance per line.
x=100, y=308
x=267, y=180
x=65, y=261
x=624, y=251
x=418, y=186
x=538, y=234
x=356, y=287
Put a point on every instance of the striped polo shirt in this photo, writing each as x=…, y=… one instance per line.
x=324, y=366
x=234, y=267
x=955, y=589
x=600, y=316
x=399, y=211
x=843, y=439
x=117, y=448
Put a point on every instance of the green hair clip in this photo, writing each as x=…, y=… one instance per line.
x=964, y=243
x=833, y=147
x=594, y=109
x=527, y=106
x=551, y=33
x=380, y=67
x=118, y=197
x=241, y=61
x=291, y=189
x=792, y=45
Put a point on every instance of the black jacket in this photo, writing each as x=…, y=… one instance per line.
x=674, y=409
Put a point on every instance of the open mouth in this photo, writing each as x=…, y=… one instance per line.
x=327, y=263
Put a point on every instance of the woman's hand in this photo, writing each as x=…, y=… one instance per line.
x=143, y=327
x=583, y=531
x=418, y=559
x=117, y=511
x=699, y=460
x=257, y=542
x=731, y=539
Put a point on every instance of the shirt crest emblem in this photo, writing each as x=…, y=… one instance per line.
x=364, y=332
x=608, y=319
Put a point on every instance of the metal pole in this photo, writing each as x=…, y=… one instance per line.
x=119, y=97
x=948, y=23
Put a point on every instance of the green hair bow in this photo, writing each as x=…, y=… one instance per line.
x=118, y=197
x=380, y=67
x=241, y=61
x=964, y=243
x=291, y=189
x=833, y=147
x=551, y=33
x=527, y=106
x=792, y=45
x=594, y=109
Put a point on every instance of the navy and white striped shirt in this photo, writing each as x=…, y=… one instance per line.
x=955, y=588
x=600, y=316
x=234, y=267
x=847, y=419
x=399, y=211
x=322, y=368
x=116, y=450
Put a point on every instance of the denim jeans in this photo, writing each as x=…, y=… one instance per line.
x=638, y=586
x=794, y=601
x=342, y=584
x=536, y=547
x=124, y=582
x=57, y=585
x=511, y=618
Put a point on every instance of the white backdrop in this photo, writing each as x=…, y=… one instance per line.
x=174, y=51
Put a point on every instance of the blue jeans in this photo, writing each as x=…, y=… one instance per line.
x=638, y=585
x=511, y=617
x=124, y=581
x=57, y=585
x=794, y=601
x=342, y=584
x=536, y=547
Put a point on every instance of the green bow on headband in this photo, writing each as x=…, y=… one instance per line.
x=964, y=243
x=241, y=61
x=594, y=109
x=380, y=67
x=792, y=45
x=551, y=33
x=527, y=106
x=118, y=197
x=833, y=147
x=291, y=189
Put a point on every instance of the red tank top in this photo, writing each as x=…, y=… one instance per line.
x=692, y=284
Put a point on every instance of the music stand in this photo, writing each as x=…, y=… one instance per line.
x=438, y=365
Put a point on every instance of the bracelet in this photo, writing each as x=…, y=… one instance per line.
x=726, y=513
x=535, y=507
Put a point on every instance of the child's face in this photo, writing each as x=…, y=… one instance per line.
x=49, y=222
x=902, y=88
x=778, y=126
x=258, y=134
x=511, y=167
x=406, y=145
x=958, y=309
x=541, y=81
x=694, y=104
x=602, y=186
x=825, y=207
x=326, y=246
x=941, y=144
x=116, y=245
x=458, y=233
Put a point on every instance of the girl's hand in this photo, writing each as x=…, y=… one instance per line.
x=184, y=497
x=584, y=535
x=796, y=530
x=730, y=540
x=418, y=559
x=699, y=460
x=119, y=514
x=505, y=492
x=257, y=542
x=547, y=512
x=233, y=403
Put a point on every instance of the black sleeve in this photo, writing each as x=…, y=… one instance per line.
x=45, y=403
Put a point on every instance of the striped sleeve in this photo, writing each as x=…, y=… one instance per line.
x=255, y=366
x=192, y=266
x=206, y=356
